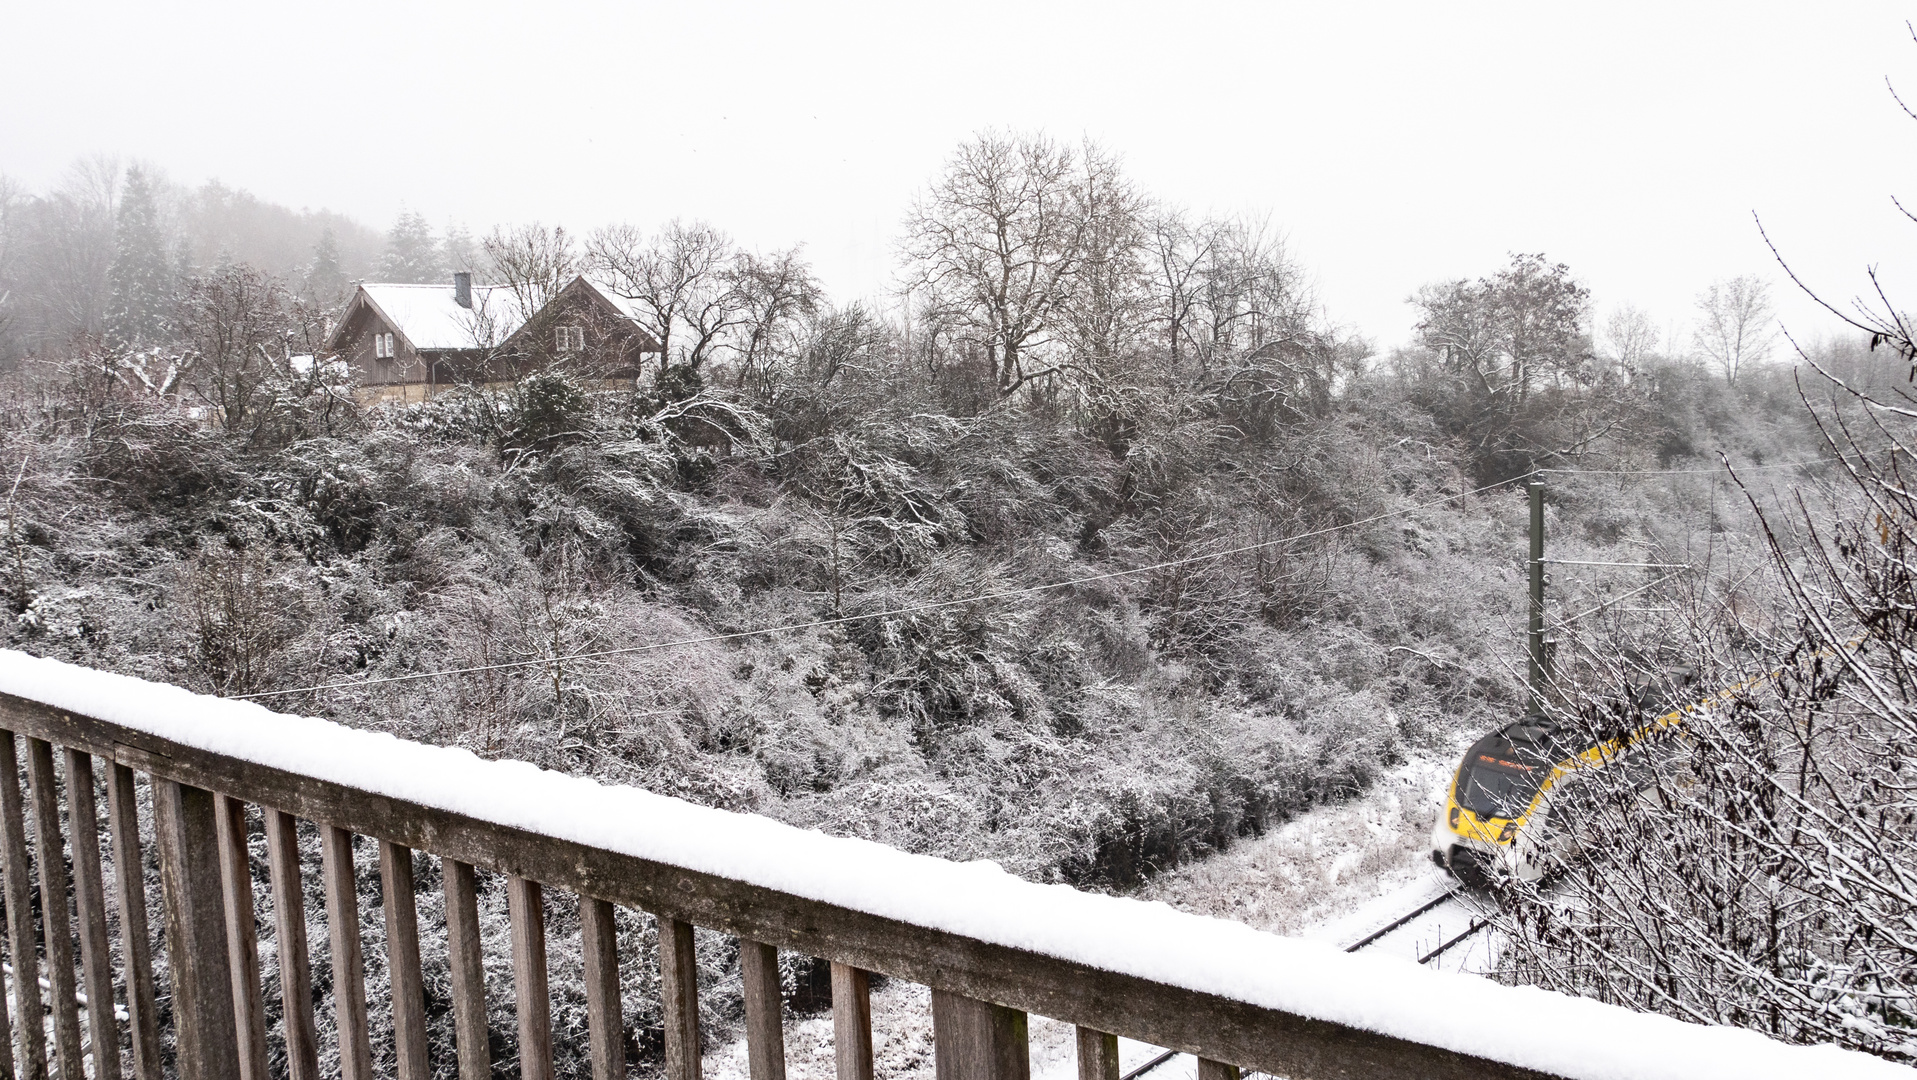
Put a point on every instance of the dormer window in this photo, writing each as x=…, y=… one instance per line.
x=569, y=338
x=382, y=346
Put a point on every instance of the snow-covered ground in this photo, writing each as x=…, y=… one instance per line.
x=902, y=1045
x=1335, y=863
x=1333, y=874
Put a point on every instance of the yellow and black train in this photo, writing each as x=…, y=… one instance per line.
x=1511, y=806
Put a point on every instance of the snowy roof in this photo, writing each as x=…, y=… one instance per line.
x=431, y=318
x=628, y=308
x=1533, y=1028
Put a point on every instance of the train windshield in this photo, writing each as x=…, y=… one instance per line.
x=1498, y=788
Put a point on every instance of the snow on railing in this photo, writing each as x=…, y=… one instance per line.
x=990, y=945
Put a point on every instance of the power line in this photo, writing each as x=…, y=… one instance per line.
x=1637, y=565
x=1002, y=594
x=811, y=624
x=1691, y=472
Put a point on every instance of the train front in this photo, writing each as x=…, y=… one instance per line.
x=1491, y=827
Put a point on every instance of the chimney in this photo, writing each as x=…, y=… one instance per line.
x=462, y=288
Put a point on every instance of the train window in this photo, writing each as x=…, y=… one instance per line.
x=1494, y=791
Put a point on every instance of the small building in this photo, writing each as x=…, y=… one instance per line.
x=410, y=342
x=590, y=329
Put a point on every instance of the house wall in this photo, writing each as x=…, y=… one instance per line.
x=616, y=354
x=614, y=349
x=413, y=393
x=369, y=369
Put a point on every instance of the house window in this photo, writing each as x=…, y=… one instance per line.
x=569, y=338
x=382, y=346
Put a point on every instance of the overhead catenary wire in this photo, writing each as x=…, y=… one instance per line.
x=1636, y=565
x=1569, y=619
x=1001, y=594
x=1690, y=472
x=913, y=609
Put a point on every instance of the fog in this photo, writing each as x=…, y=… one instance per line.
x=1397, y=145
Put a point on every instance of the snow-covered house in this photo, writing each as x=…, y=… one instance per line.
x=408, y=342
x=404, y=341
x=590, y=327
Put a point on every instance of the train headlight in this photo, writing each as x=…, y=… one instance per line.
x=1453, y=818
x=1505, y=834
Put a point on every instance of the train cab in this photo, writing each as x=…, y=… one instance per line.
x=1493, y=823
x=1521, y=798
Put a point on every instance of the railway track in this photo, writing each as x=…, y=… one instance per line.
x=1405, y=919
x=1431, y=929
x=1427, y=931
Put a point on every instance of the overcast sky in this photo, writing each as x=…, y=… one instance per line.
x=1394, y=144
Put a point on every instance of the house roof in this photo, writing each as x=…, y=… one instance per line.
x=613, y=304
x=431, y=319
x=630, y=309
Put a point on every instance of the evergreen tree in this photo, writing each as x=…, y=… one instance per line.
x=412, y=255
x=141, y=280
x=325, y=281
x=183, y=267
x=462, y=252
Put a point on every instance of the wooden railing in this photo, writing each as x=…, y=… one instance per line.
x=202, y=807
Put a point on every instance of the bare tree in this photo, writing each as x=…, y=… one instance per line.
x=678, y=280
x=1736, y=327
x=1223, y=289
x=998, y=243
x=774, y=294
x=13, y=201
x=1511, y=333
x=1107, y=308
x=1512, y=356
x=533, y=261
x=1178, y=253
x=241, y=329
x=1755, y=863
x=240, y=617
x=1253, y=295
x=1630, y=337
x=94, y=181
x=840, y=338
x=67, y=242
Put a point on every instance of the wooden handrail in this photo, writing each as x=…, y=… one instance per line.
x=981, y=988
x=1203, y=1024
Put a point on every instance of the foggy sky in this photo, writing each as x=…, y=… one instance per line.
x=1394, y=144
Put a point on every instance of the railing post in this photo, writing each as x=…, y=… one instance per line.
x=49, y=851
x=526, y=907
x=468, y=970
x=6, y=1042
x=89, y=898
x=605, y=1019
x=28, y=1029
x=195, y=932
x=349, y=968
x=290, y=942
x=764, y=1010
x=679, y=987
x=852, y=1021
x=402, y=960
x=242, y=936
x=976, y=1040
x=136, y=942
x=1097, y=1055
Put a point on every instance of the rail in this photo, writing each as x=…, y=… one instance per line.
x=991, y=948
